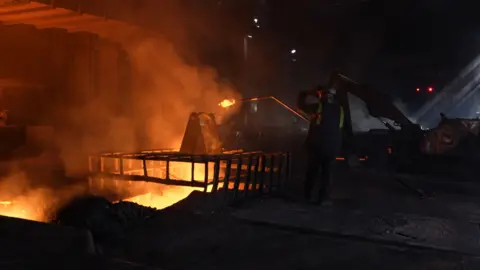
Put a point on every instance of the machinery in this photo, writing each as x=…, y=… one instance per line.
x=398, y=135
x=264, y=123
x=453, y=145
x=396, y=143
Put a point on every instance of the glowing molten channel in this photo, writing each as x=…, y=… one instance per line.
x=168, y=197
x=36, y=204
x=162, y=196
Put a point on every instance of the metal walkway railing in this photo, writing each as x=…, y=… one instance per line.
x=237, y=174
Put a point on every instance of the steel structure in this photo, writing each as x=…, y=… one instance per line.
x=236, y=172
x=47, y=14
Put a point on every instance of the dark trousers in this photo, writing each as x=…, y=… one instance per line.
x=318, y=165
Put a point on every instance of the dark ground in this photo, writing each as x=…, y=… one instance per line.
x=375, y=223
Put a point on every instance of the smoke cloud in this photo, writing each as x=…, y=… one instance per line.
x=21, y=198
x=151, y=113
x=167, y=90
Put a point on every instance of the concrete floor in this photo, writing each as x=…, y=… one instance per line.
x=179, y=239
x=225, y=243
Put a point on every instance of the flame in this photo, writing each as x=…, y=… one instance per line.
x=34, y=204
x=20, y=198
x=22, y=201
x=227, y=103
x=21, y=210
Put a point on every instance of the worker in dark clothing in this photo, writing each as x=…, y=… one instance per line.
x=324, y=140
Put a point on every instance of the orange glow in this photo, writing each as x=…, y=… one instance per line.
x=35, y=204
x=168, y=197
x=20, y=199
x=161, y=196
x=227, y=103
x=178, y=170
x=173, y=194
x=165, y=90
x=7, y=208
x=342, y=158
x=30, y=207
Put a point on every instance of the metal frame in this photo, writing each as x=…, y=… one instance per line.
x=259, y=173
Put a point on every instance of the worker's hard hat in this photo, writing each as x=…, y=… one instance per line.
x=332, y=91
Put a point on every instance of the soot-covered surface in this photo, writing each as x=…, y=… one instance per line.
x=60, y=261
x=189, y=235
x=105, y=220
x=182, y=241
x=179, y=239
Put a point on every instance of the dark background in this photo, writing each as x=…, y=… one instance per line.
x=395, y=46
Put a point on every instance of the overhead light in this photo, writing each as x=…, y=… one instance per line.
x=255, y=20
x=293, y=51
x=249, y=36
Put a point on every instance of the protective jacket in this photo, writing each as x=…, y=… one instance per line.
x=326, y=124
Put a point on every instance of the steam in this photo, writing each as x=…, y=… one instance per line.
x=167, y=90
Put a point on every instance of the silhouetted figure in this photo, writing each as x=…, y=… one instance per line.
x=324, y=140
